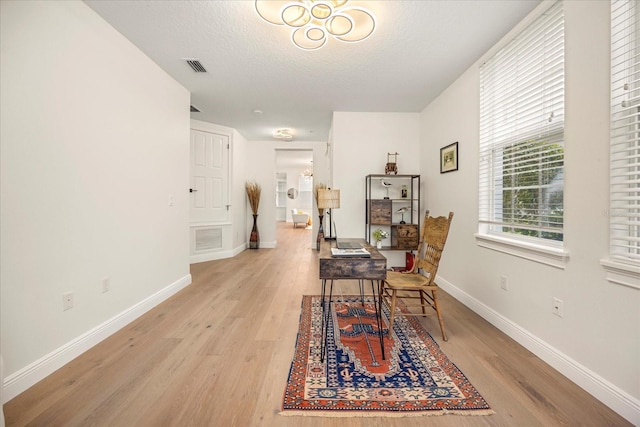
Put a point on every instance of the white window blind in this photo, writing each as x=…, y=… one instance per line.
x=625, y=132
x=522, y=134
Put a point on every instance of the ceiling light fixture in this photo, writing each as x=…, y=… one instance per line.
x=283, y=134
x=313, y=21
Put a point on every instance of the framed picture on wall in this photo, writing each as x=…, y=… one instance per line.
x=449, y=158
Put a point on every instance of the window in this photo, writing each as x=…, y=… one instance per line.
x=625, y=133
x=522, y=136
x=305, y=184
x=281, y=190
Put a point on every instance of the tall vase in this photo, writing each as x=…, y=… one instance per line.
x=254, y=239
x=320, y=233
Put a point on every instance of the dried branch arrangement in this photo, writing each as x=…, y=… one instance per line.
x=253, y=193
x=319, y=186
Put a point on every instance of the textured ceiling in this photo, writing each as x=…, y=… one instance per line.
x=418, y=49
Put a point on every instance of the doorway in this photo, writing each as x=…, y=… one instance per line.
x=209, y=214
x=294, y=183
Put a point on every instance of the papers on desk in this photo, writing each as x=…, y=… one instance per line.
x=344, y=253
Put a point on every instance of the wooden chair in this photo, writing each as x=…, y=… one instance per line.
x=418, y=283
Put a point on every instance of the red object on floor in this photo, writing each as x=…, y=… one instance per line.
x=409, y=260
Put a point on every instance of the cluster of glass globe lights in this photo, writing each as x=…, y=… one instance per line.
x=313, y=21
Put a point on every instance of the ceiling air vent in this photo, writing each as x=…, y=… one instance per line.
x=196, y=65
x=194, y=109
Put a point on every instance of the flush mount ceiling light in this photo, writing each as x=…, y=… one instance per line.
x=283, y=134
x=312, y=22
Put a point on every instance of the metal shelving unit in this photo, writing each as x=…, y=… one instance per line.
x=384, y=206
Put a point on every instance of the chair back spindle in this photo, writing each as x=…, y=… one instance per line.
x=432, y=240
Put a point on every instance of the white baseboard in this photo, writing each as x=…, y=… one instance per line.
x=266, y=245
x=609, y=394
x=214, y=256
x=211, y=256
x=21, y=380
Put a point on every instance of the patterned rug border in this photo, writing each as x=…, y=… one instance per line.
x=381, y=413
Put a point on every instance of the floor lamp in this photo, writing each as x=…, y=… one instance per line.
x=329, y=199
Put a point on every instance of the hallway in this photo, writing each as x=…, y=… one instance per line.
x=218, y=353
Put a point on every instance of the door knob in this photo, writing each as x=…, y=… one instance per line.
x=191, y=190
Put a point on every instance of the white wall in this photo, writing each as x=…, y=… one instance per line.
x=94, y=143
x=597, y=343
x=361, y=142
x=239, y=197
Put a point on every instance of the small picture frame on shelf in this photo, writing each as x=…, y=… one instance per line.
x=449, y=158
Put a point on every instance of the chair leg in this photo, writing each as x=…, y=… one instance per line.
x=423, y=301
x=436, y=305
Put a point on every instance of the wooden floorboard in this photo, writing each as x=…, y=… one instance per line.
x=218, y=354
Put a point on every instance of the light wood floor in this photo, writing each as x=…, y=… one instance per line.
x=218, y=354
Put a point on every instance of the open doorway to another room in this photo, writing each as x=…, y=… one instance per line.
x=294, y=187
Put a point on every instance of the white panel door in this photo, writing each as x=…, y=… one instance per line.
x=209, y=177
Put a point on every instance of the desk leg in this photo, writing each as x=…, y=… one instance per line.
x=378, y=307
x=361, y=286
x=326, y=312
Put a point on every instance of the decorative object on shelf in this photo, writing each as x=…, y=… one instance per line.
x=320, y=236
x=386, y=185
x=391, y=167
x=292, y=193
x=329, y=199
x=403, y=191
x=449, y=158
x=402, y=211
x=379, y=235
x=253, y=194
x=313, y=22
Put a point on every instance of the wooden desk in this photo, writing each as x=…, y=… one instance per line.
x=350, y=268
x=374, y=268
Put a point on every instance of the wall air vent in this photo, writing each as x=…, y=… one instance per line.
x=194, y=109
x=196, y=65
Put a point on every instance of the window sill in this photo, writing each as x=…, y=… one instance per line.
x=555, y=257
x=621, y=274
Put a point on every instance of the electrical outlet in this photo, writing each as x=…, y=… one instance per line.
x=67, y=301
x=503, y=283
x=106, y=284
x=558, y=308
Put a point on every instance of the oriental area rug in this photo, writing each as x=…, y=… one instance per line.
x=415, y=378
